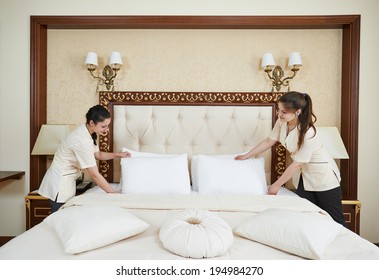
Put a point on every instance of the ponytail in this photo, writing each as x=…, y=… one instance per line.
x=294, y=100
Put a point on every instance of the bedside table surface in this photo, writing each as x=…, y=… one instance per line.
x=8, y=175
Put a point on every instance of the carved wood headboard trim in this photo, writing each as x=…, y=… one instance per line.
x=350, y=24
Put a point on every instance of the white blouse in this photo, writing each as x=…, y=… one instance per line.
x=76, y=152
x=320, y=172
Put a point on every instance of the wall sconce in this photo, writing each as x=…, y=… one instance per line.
x=109, y=71
x=276, y=73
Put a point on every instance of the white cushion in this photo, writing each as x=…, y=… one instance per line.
x=84, y=228
x=196, y=233
x=225, y=175
x=144, y=154
x=155, y=175
x=303, y=234
x=135, y=154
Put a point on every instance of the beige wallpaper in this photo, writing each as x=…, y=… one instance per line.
x=191, y=60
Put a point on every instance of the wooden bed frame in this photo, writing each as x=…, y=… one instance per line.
x=268, y=99
x=349, y=24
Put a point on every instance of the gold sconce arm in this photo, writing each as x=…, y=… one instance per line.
x=109, y=72
x=277, y=74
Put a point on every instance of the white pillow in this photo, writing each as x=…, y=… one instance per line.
x=155, y=175
x=303, y=234
x=84, y=228
x=139, y=154
x=196, y=233
x=225, y=175
x=144, y=154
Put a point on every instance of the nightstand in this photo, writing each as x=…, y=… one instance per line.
x=37, y=209
x=351, y=211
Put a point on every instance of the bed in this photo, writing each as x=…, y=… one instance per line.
x=182, y=196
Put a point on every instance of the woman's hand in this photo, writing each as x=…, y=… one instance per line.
x=241, y=157
x=124, y=155
x=273, y=189
x=108, y=156
x=112, y=191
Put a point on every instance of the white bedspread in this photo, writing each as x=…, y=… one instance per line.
x=228, y=203
x=41, y=241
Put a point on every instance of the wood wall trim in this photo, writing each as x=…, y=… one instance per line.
x=195, y=22
x=350, y=24
x=5, y=239
x=350, y=106
x=38, y=96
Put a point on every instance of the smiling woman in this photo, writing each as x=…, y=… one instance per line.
x=78, y=151
x=314, y=172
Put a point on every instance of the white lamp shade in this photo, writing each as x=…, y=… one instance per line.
x=295, y=59
x=49, y=138
x=91, y=59
x=332, y=141
x=115, y=58
x=267, y=60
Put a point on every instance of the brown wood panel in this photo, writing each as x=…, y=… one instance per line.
x=350, y=68
x=351, y=213
x=37, y=209
x=195, y=22
x=5, y=239
x=8, y=175
x=350, y=107
x=38, y=96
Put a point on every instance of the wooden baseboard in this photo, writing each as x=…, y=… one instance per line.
x=5, y=239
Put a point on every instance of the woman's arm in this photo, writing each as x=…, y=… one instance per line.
x=108, y=156
x=286, y=176
x=100, y=180
x=260, y=148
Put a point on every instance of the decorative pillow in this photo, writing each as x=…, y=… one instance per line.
x=84, y=228
x=155, y=175
x=303, y=234
x=196, y=233
x=225, y=175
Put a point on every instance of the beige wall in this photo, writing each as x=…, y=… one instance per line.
x=14, y=79
x=191, y=60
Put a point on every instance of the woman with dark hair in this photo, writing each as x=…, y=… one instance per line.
x=78, y=151
x=314, y=171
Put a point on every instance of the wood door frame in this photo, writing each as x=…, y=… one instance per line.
x=350, y=25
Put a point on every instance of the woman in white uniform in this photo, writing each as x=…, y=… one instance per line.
x=314, y=171
x=78, y=151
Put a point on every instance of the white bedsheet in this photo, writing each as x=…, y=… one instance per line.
x=41, y=242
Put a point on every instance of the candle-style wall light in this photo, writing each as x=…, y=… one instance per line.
x=109, y=72
x=276, y=73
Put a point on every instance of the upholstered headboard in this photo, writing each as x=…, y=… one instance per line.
x=191, y=123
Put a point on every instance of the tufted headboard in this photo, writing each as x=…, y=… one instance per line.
x=191, y=123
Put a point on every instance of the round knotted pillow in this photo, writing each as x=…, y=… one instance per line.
x=196, y=233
